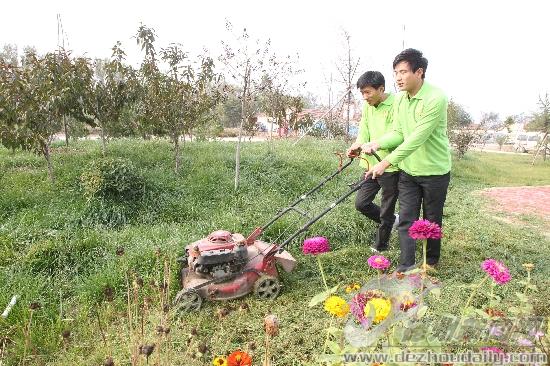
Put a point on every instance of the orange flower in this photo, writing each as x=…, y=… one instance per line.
x=239, y=358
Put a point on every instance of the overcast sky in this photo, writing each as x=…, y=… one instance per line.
x=486, y=55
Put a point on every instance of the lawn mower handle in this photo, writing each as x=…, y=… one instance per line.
x=355, y=187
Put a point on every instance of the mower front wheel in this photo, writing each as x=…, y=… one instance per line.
x=267, y=287
x=187, y=301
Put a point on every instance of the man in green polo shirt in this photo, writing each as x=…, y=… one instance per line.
x=422, y=152
x=376, y=121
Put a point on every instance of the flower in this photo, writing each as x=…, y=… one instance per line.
x=357, y=305
x=424, y=229
x=378, y=262
x=352, y=287
x=496, y=331
x=239, y=358
x=337, y=306
x=496, y=270
x=381, y=308
x=316, y=245
x=528, y=266
x=492, y=349
x=525, y=342
x=407, y=302
x=219, y=361
x=536, y=333
x=271, y=325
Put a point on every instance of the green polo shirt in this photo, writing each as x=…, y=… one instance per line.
x=419, y=133
x=375, y=122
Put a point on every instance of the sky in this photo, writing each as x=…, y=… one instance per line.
x=489, y=56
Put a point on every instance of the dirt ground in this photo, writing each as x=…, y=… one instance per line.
x=517, y=204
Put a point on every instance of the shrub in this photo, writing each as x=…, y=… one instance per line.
x=112, y=179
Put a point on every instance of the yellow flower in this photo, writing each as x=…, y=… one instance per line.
x=353, y=287
x=219, y=361
x=381, y=306
x=337, y=306
x=528, y=266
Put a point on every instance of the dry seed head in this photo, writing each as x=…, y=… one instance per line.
x=109, y=362
x=35, y=306
x=271, y=325
x=147, y=349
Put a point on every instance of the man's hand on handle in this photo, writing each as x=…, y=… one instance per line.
x=354, y=150
x=370, y=147
x=377, y=170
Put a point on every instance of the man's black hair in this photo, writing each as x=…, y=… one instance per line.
x=414, y=58
x=374, y=79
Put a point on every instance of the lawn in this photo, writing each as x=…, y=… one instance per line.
x=94, y=272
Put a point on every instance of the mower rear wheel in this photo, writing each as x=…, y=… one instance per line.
x=187, y=301
x=267, y=287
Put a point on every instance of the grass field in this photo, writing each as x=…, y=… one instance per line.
x=60, y=251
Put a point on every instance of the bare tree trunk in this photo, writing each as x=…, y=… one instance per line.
x=243, y=116
x=543, y=145
x=103, y=143
x=65, y=127
x=177, y=152
x=46, y=153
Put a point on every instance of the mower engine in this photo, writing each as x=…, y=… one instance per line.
x=219, y=255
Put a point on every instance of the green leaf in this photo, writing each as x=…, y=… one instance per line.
x=422, y=311
x=334, y=331
x=334, y=347
x=320, y=297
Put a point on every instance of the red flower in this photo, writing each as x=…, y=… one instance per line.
x=239, y=358
x=424, y=229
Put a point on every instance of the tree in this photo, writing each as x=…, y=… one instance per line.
x=491, y=120
x=110, y=91
x=278, y=92
x=9, y=55
x=509, y=122
x=189, y=95
x=347, y=68
x=459, y=128
x=501, y=140
x=33, y=101
x=244, y=63
x=541, y=123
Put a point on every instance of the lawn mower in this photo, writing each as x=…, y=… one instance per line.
x=227, y=265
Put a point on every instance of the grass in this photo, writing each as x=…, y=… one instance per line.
x=58, y=250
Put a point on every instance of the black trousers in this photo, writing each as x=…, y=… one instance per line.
x=383, y=214
x=429, y=192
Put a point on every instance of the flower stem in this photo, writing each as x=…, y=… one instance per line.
x=322, y=272
x=474, y=291
x=424, y=252
x=328, y=336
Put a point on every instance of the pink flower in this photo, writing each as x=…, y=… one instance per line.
x=424, y=229
x=378, y=262
x=496, y=270
x=492, y=349
x=316, y=245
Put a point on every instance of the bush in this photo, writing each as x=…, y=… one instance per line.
x=112, y=179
